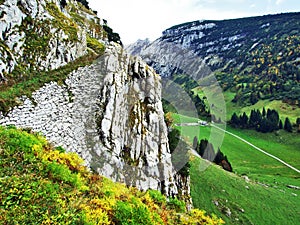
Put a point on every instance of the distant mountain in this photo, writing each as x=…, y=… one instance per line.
x=256, y=57
x=138, y=46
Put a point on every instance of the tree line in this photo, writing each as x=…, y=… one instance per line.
x=206, y=150
x=203, y=147
x=265, y=121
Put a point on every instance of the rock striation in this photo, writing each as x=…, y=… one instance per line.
x=111, y=114
x=44, y=34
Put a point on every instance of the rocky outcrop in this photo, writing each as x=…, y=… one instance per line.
x=43, y=34
x=131, y=125
x=111, y=114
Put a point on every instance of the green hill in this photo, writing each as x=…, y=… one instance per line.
x=257, y=58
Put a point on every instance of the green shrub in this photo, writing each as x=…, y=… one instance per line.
x=132, y=213
x=94, y=44
x=177, y=205
x=157, y=196
x=123, y=213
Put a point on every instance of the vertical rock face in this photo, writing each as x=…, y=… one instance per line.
x=131, y=124
x=43, y=34
x=111, y=114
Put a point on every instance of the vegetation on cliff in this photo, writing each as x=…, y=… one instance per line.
x=29, y=75
x=11, y=91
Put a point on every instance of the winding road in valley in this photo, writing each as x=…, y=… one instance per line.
x=257, y=148
x=246, y=142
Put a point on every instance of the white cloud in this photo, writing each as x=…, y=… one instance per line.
x=278, y=2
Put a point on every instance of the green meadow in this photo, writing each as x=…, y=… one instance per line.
x=239, y=202
x=266, y=199
x=284, y=109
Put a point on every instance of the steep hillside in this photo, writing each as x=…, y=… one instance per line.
x=257, y=57
x=65, y=79
x=258, y=184
x=40, y=184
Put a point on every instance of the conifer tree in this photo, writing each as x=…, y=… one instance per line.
x=280, y=125
x=195, y=143
x=263, y=112
x=202, y=147
x=219, y=157
x=273, y=118
x=253, y=120
x=259, y=116
x=288, y=125
x=244, y=120
x=235, y=121
x=263, y=126
x=298, y=124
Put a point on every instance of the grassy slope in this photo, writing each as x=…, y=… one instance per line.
x=257, y=166
x=284, y=109
x=43, y=185
x=249, y=203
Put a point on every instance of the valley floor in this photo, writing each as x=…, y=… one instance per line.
x=266, y=168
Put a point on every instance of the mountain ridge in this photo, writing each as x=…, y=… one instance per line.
x=261, y=51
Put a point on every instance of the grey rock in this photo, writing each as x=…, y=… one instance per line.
x=115, y=121
x=293, y=187
x=61, y=48
x=227, y=211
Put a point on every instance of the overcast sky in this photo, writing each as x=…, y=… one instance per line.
x=140, y=19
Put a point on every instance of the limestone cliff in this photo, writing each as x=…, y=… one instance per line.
x=111, y=114
x=44, y=34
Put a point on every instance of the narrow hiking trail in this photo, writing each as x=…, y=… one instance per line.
x=257, y=148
